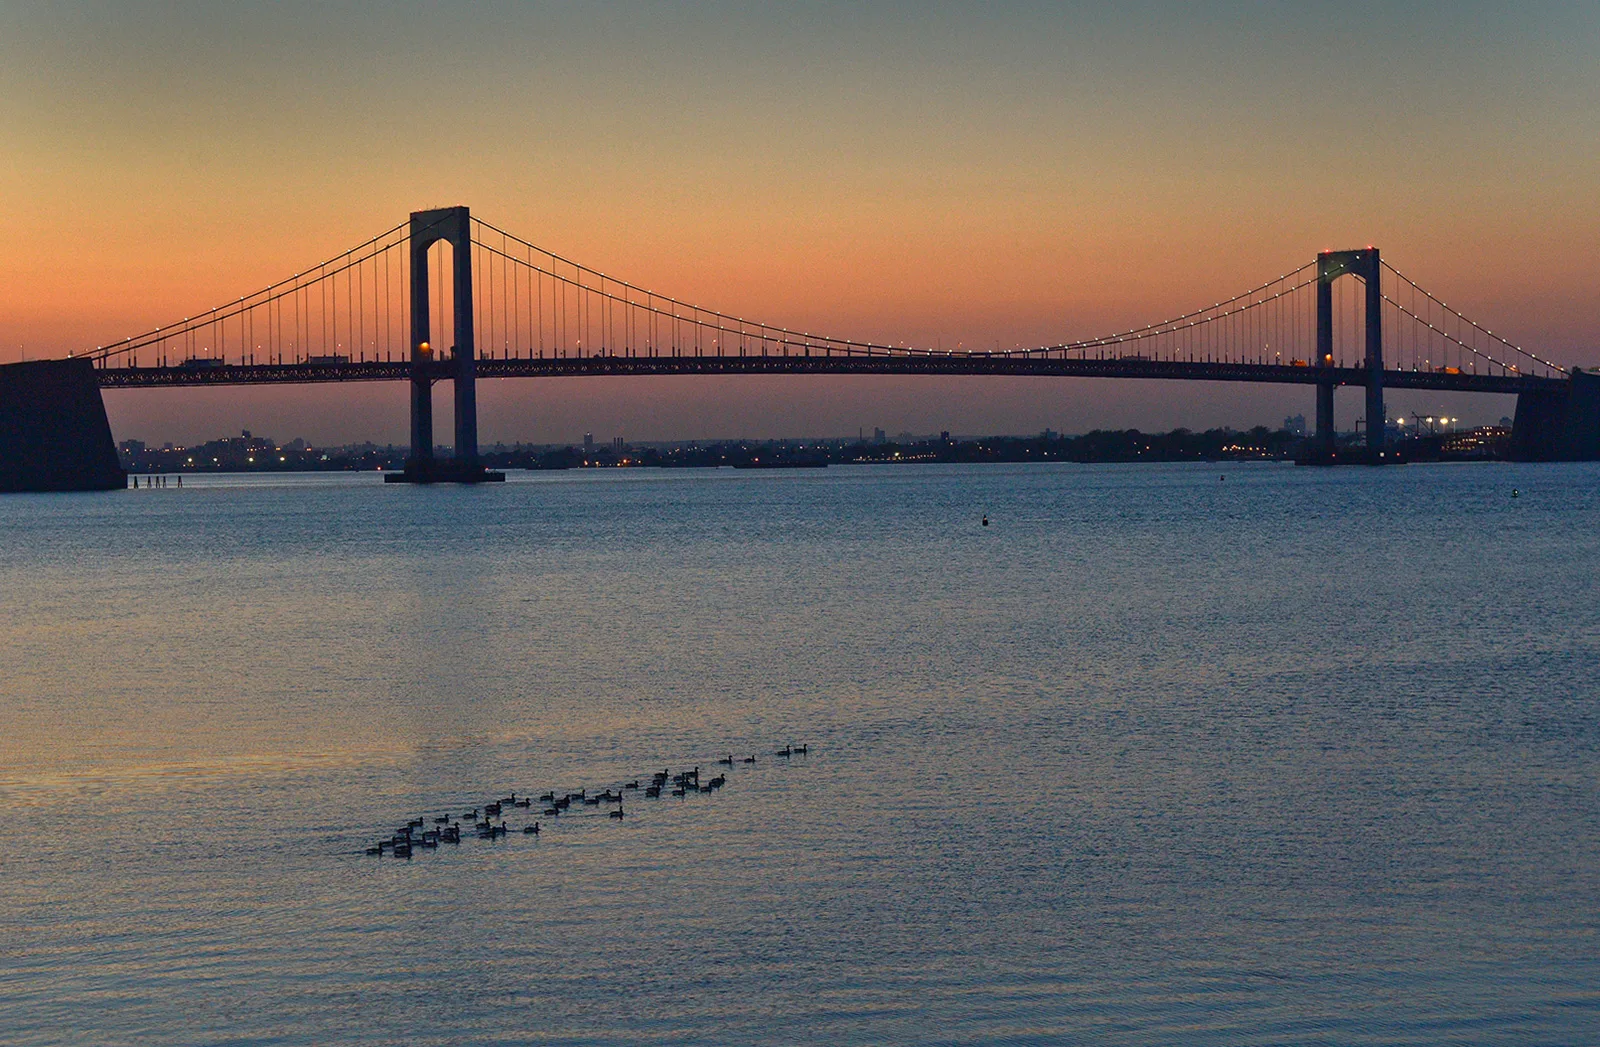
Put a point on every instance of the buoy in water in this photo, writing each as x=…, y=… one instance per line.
x=986, y=519
x=1515, y=493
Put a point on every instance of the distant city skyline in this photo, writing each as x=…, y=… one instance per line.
x=940, y=175
x=1294, y=424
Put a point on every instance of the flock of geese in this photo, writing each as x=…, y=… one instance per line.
x=488, y=820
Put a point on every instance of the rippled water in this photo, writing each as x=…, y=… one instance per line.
x=1166, y=754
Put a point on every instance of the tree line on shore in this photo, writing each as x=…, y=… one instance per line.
x=249, y=453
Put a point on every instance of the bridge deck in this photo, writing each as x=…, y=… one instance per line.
x=954, y=364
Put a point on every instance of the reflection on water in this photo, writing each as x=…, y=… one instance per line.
x=1295, y=756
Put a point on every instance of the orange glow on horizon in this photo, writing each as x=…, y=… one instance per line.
x=1008, y=184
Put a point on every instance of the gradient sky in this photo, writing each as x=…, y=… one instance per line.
x=1011, y=173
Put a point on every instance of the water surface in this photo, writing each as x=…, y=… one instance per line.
x=1165, y=754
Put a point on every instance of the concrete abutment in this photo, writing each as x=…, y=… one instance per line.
x=54, y=435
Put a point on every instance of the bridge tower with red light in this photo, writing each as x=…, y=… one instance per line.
x=1363, y=264
x=454, y=226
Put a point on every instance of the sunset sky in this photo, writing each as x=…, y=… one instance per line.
x=1011, y=173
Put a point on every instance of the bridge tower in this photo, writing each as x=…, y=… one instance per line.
x=428, y=362
x=1331, y=265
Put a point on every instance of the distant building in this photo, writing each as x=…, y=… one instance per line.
x=879, y=436
x=1295, y=424
x=588, y=442
x=617, y=444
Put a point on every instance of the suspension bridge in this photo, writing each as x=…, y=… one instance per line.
x=445, y=296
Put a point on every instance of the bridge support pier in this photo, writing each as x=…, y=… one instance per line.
x=454, y=225
x=1326, y=439
x=1559, y=425
x=421, y=458
x=53, y=430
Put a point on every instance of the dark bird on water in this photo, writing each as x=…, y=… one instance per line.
x=412, y=835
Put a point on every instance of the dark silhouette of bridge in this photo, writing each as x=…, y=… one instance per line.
x=512, y=309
